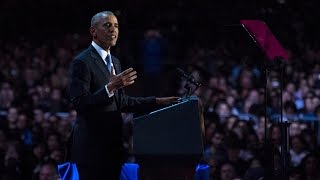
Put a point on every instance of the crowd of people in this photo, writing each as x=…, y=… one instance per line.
x=243, y=103
x=238, y=98
x=36, y=116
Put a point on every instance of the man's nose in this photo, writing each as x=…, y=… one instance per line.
x=112, y=29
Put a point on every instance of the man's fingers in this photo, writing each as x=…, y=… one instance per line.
x=127, y=83
x=125, y=78
x=129, y=75
x=126, y=71
x=130, y=82
x=133, y=78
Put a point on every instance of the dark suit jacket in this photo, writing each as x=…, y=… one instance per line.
x=98, y=131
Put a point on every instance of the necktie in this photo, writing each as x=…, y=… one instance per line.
x=109, y=63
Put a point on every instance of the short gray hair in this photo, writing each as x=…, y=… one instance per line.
x=96, y=17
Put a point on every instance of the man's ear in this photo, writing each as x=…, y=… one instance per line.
x=93, y=32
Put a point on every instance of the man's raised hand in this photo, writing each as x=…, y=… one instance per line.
x=125, y=78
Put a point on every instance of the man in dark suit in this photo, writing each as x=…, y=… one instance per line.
x=96, y=83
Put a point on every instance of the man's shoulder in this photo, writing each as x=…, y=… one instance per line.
x=83, y=55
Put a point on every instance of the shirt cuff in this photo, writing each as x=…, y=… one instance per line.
x=110, y=94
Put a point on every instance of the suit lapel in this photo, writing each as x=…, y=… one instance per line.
x=99, y=62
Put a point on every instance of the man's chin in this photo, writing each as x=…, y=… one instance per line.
x=110, y=44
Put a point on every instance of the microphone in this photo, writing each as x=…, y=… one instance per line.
x=188, y=77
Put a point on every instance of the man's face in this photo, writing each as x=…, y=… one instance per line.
x=217, y=140
x=47, y=173
x=227, y=172
x=105, y=32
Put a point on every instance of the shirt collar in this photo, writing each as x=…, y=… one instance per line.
x=103, y=53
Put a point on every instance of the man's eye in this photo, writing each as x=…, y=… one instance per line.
x=107, y=25
x=110, y=25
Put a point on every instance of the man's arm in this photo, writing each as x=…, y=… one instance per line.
x=144, y=104
x=79, y=88
x=136, y=104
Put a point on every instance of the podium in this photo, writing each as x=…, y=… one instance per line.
x=167, y=143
